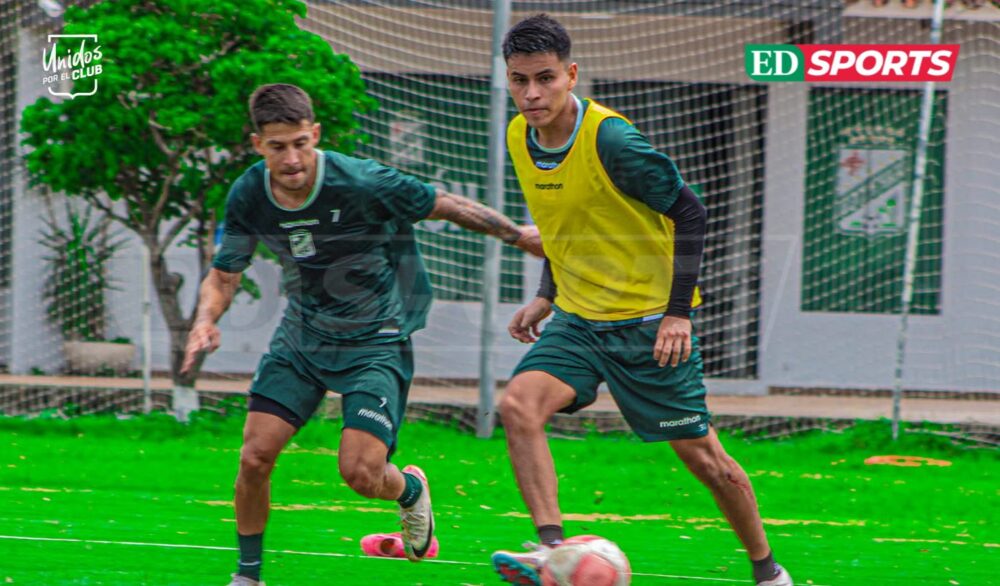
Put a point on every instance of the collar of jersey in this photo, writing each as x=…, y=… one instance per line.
x=533, y=134
x=317, y=185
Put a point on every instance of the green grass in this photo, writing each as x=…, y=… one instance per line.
x=831, y=519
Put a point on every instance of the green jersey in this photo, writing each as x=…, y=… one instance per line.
x=632, y=164
x=351, y=268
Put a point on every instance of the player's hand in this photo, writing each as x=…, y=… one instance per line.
x=524, y=325
x=204, y=337
x=673, y=341
x=530, y=241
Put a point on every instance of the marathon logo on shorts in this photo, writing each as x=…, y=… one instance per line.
x=375, y=416
x=680, y=422
x=548, y=186
x=850, y=63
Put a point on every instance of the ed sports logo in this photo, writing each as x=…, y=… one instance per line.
x=852, y=63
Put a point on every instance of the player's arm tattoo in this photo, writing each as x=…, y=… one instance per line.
x=474, y=216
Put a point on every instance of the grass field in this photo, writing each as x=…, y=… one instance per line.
x=95, y=500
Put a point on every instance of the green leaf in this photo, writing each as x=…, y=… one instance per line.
x=191, y=66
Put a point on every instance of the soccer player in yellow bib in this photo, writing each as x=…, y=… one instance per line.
x=623, y=237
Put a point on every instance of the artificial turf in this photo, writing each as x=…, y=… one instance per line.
x=145, y=500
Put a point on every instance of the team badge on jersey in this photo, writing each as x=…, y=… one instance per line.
x=301, y=243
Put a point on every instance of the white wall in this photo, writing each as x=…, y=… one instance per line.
x=956, y=350
x=33, y=341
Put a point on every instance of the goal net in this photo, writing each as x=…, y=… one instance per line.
x=807, y=186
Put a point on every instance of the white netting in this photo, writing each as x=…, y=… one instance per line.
x=678, y=77
x=803, y=266
x=755, y=151
x=10, y=13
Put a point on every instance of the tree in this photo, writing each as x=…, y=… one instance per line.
x=167, y=132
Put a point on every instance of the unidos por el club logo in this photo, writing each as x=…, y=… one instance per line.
x=850, y=63
x=72, y=61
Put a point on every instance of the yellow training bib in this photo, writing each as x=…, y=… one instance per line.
x=612, y=256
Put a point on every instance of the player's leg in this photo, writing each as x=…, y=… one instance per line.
x=362, y=458
x=281, y=401
x=264, y=436
x=375, y=382
x=529, y=401
x=531, y=398
x=730, y=486
x=555, y=375
x=668, y=404
x=364, y=466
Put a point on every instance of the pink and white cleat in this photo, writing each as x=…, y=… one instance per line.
x=390, y=545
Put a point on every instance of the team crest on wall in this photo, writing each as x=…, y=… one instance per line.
x=873, y=180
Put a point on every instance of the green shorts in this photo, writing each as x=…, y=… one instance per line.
x=659, y=403
x=373, y=379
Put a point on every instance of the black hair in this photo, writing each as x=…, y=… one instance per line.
x=537, y=34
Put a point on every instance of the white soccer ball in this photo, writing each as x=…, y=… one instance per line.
x=586, y=560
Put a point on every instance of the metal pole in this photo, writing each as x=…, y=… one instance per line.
x=913, y=224
x=147, y=333
x=485, y=417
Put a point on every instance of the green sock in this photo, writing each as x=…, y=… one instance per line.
x=411, y=492
x=251, y=551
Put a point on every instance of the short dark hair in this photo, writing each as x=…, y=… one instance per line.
x=279, y=102
x=537, y=34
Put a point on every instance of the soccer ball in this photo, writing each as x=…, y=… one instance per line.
x=586, y=560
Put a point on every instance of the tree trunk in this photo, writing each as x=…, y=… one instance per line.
x=168, y=286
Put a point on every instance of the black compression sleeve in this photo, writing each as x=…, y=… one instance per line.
x=689, y=218
x=547, y=286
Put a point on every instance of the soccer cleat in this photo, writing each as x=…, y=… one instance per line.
x=390, y=545
x=417, y=521
x=782, y=579
x=522, y=568
x=244, y=581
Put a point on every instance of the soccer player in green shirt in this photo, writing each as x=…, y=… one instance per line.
x=623, y=241
x=357, y=289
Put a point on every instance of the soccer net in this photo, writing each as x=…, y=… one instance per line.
x=675, y=72
x=9, y=14
x=807, y=185
x=64, y=284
